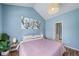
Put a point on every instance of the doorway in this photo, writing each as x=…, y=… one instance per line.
x=59, y=31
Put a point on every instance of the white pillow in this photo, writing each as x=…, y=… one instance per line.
x=32, y=37
x=27, y=37
x=38, y=36
x=41, y=35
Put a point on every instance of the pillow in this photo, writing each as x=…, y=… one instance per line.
x=41, y=35
x=38, y=36
x=32, y=37
x=27, y=37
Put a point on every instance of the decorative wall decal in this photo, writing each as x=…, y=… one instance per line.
x=27, y=23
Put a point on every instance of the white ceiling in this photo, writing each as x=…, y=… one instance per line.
x=42, y=8
x=22, y=4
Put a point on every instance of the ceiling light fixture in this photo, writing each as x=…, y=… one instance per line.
x=53, y=8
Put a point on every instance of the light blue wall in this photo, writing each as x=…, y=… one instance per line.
x=12, y=21
x=12, y=24
x=70, y=28
x=0, y=18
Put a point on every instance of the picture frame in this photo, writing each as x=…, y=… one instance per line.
x=29, y=23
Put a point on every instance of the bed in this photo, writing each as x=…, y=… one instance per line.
x=41, y=47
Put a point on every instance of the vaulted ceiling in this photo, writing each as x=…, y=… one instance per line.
x=42, y=8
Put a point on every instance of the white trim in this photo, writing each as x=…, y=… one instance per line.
x=71, y=48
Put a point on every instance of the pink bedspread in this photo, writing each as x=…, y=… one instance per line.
x=41, y=47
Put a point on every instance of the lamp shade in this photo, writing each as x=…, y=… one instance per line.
x=14, y=40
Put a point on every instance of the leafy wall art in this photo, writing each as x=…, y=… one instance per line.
x=29, y=23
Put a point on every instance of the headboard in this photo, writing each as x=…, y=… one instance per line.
x=32, y=37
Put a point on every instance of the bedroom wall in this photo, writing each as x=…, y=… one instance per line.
x=0, y=18
x=70, y=28
x=12, y=21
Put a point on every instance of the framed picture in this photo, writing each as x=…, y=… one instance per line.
x=29, y=23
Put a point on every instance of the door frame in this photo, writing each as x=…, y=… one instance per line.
x=56, y=35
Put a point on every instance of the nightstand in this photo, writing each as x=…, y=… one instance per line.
x=13, y=47
x=14, y=53
x=13, y=50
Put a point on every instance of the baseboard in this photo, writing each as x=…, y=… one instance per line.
x=72, y=48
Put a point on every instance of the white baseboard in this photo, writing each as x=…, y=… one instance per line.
x=71, y=48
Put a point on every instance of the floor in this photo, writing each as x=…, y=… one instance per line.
x=69, y=52
x=14, y=53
